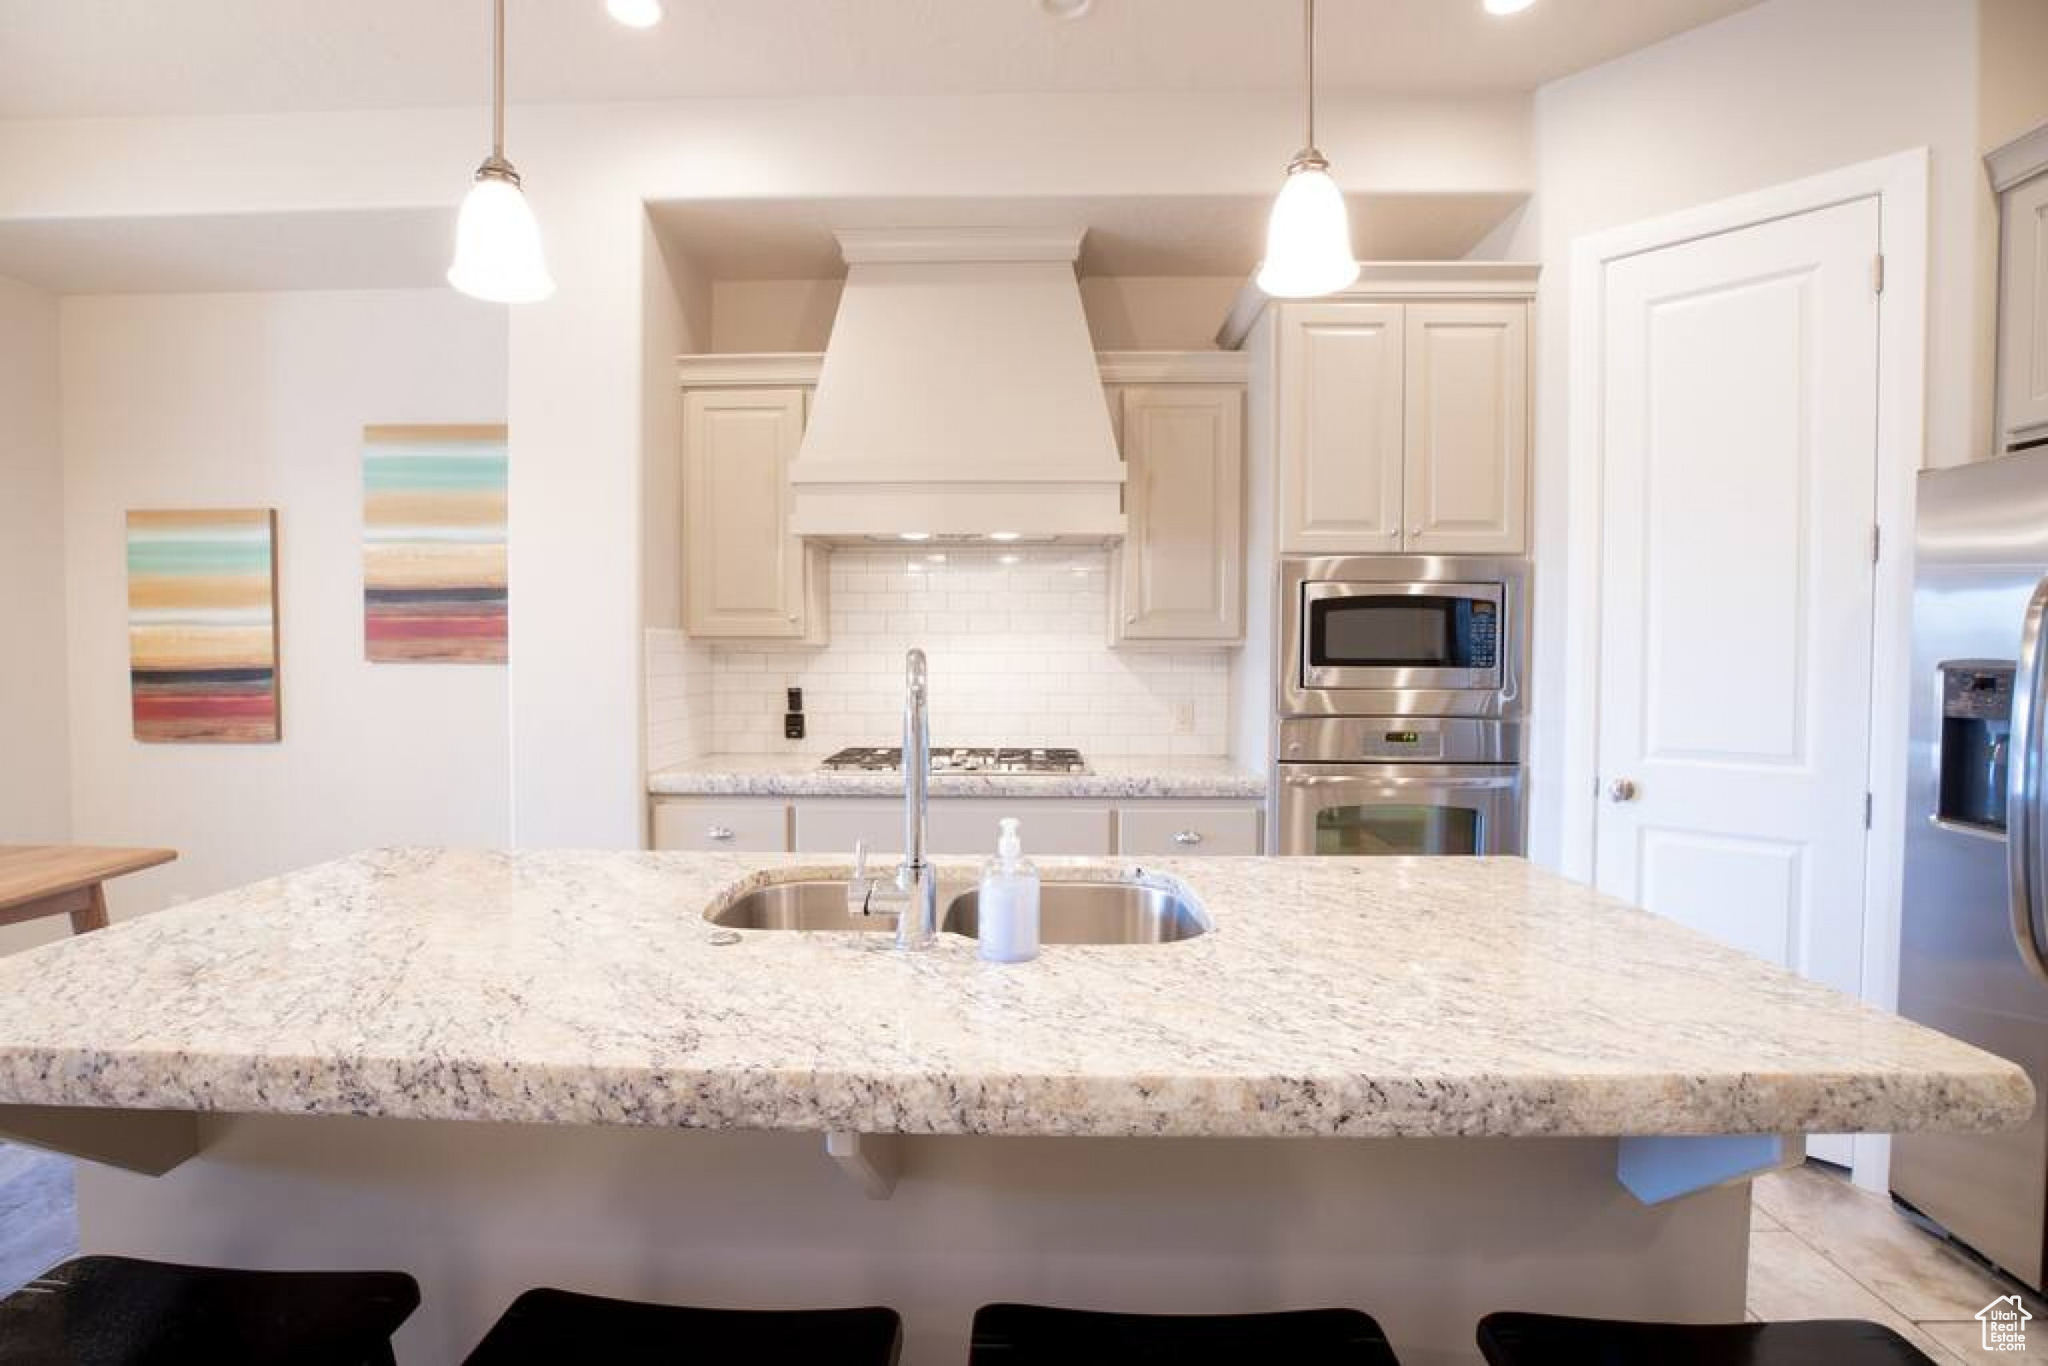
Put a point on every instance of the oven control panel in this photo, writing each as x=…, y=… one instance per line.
x=1401, y=744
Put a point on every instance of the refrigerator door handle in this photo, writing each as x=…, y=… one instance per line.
x=2023, y=793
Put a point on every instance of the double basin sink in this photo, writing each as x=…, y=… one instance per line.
x=1068, y=912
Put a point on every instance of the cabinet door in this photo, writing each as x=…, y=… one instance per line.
x=1182, y=570
x=1340, y=428
x=744, y=571
x=1466, y=489
x=2023, y=313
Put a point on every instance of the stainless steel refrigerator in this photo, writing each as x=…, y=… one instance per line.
x=1974, y=950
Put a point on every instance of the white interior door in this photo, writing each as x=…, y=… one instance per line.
x=1738, y=506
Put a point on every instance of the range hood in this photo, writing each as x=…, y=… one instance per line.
x=959, y=395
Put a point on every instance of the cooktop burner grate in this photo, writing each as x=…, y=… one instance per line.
x=1015, y=759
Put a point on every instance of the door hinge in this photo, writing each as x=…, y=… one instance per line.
x=1876, y=543
x=1877, y=273
x=1869, y=809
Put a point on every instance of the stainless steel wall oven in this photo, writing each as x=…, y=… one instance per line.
x=1400, y=704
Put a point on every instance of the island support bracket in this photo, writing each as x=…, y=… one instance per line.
x=872, y=1160
x=150, y=1142
x=1666, y=1168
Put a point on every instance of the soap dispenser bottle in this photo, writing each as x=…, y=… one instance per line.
x=1008, y=918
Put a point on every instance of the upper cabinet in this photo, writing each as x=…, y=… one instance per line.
x=744, y=574
x=1181, y=568
x=2019, y=171
x=1465, y=449
x=1399, y=411
x=1341, y=381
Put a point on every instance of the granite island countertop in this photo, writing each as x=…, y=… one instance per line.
x=1112, y=776
x=1417, y=997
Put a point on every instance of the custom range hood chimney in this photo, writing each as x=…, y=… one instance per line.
x=959, y=395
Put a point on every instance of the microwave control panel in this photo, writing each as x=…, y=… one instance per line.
x=1485, y=639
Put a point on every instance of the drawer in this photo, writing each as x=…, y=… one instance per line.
x=1170, y=832
x=755, y=827
x=831, y=825
x=1048, y=828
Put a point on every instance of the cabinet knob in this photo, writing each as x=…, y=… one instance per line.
x=1414, y=531
x=1621, y=790
x=718, y=832
x=1187, y=837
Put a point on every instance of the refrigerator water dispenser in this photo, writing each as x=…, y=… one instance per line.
x=1976, y=726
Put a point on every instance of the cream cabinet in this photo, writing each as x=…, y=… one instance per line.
x=1180, y=573
x=745, y=575
x=1402, y=425
x=1340, y=427
x=1465, y=462
x=736, y=826
x=2023, y=314
x=959, y=826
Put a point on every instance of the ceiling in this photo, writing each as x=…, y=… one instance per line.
x=76, y=58
x=791, y=239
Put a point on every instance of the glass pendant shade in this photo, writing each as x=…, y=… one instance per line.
x=498, y=254
x=1308, y=236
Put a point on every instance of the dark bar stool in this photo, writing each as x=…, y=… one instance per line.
x=1028, y=1335
x=1548, y=1340
x=120, y=1311
x=553, y=1327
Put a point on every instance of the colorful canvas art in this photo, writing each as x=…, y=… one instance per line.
x=434, y=544
x=202, y=625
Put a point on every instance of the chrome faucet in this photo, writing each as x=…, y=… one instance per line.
x=912, y=896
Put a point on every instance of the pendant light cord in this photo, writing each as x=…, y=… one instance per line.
x=498, y=79
x=1309, y=31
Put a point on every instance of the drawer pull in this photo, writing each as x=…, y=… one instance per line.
x=718, y=832
x=1187, y=837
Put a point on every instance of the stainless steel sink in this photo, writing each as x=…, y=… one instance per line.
x=1095, y=913
x=797, y=906
x=1068, y=912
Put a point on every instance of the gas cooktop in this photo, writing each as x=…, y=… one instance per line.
x=979, y=759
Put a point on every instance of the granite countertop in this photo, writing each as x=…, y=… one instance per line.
x=1333, y=997
x=798, y=775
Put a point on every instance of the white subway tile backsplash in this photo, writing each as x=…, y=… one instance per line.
x=680, y=713
x=1017, y=643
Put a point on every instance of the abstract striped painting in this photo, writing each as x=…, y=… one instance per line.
x=202, y=625
x=434, y=544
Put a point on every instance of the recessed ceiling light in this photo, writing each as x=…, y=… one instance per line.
x=635, y=13
x=1066, y=9
x=1507, y=6
x=1004, y=535
x=913, y=535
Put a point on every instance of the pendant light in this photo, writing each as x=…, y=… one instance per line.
x=498, y=255
x=1308, y=236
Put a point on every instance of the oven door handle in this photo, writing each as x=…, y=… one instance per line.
x=1489, y=783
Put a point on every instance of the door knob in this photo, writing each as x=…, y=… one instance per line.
x=1621, y=790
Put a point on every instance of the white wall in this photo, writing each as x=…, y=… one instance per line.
x=35, y=794
x=259, y=400
x=1788, y=89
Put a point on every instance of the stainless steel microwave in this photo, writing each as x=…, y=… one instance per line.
x=1403, y=635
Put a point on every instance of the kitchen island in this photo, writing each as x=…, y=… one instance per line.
x=1427, y=1087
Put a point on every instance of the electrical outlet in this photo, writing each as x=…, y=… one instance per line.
x=1183, y=718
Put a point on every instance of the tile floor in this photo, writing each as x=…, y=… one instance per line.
x=1819, y=1248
